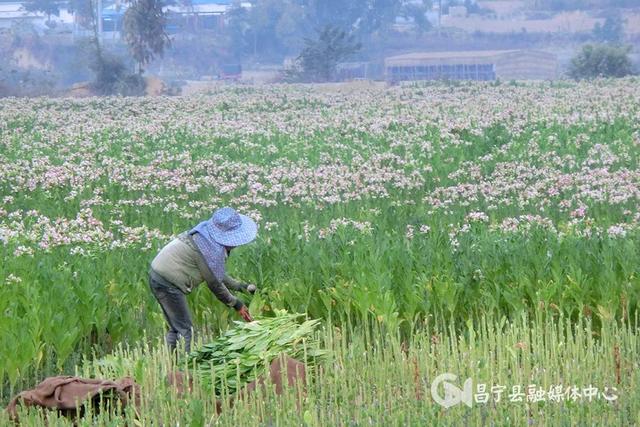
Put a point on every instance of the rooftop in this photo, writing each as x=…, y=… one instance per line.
x=199, y=6
x=449, y=54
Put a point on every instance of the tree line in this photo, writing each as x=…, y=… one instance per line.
x=319, y=34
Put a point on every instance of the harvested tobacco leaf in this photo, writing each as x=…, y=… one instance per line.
x=245, y=351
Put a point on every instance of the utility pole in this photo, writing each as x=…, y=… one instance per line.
x=439, y=16
x=99, y=15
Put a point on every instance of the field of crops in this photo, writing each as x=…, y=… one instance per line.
x=487, y=230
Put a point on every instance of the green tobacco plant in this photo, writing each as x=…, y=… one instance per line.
x=385, y=206
x=369, y=379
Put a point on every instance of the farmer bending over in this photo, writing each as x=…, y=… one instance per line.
x=198, y=256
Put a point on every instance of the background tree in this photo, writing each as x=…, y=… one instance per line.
x=191, y=16
x=320, y=57
x=292, y=26
x=48, y=7
x=111, y=74
x=361, y=18
x=612, y=31
x=84, y=11
x=345, y=14
x=601, y=61
x=379, y=15
x=144, y=31
x=270, y=29
x=238, y=30
x=417, y=13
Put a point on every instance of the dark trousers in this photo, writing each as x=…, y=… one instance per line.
x=176, y=312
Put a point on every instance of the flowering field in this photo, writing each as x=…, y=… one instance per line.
x=391, y=205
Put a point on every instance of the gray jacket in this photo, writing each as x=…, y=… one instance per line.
x=180, y=264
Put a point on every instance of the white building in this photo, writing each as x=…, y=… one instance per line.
x=14, y=13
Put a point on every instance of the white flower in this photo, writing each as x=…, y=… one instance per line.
x=12, y=279
x=616, y=231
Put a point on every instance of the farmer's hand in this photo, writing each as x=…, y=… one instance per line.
x=244, y=312
x=251, y=288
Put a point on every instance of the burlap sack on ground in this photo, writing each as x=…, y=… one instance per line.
x=71, y=396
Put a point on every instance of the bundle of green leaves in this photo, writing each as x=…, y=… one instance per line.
x=244, y=352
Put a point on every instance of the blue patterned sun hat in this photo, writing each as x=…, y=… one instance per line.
x=229, y=228
x=225, y=228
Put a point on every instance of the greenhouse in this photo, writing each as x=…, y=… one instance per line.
x=473, y=65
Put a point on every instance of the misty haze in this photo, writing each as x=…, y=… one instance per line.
x=315, y=213
x=90, y=47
